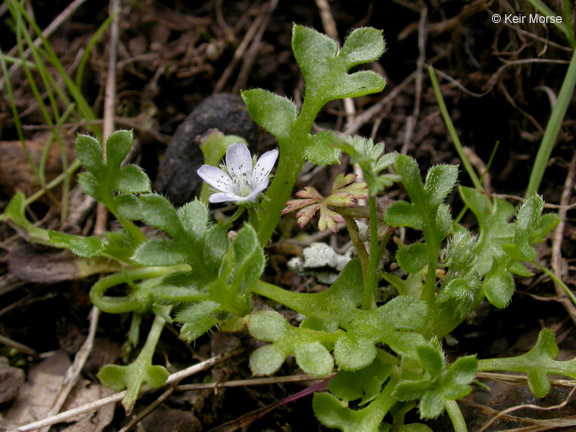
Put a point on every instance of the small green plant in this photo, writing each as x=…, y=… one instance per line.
x=387, y=352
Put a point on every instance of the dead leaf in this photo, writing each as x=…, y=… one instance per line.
x=36, y=396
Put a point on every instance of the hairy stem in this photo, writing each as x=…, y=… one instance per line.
x=456, y=416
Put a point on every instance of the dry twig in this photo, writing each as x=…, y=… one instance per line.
x=117, y=397
x=557, y=261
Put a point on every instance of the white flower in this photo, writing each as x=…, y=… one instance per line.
x=239, y=181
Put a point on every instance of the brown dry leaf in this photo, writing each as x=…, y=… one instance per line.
x=36, y=396
x=11, y=379
x=16, y=174
x=94, y=421
x=47, y=266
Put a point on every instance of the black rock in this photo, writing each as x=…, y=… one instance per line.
x=177, y=177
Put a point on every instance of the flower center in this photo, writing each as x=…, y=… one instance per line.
x=242, y=184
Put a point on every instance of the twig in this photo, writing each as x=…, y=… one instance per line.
x=117, y=397
x=253, y=50
x=367, y=115
x=557, y=266
x=20, y=347
x=109, y=105
x=73, y=372
x=250, y=382
x=527, y=406
x=239, y=53
x=412, y=119
x=493, y=80
x=148, y=410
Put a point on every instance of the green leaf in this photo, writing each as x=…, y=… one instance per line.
x=432, y=359
x=194, y=219
x=268, y=326
x=352, y=352
x=402, y=214
x=89, y=185
x=118, y=146
x=314, y=358
x=440, y=181
x=412, y=258
x=89, y=152
x=197, y=319
x=132, y=179
x=274, y=113
x=158, y=212
x=159, y=253
x=365, y=383
x=139, y=372
x=461, y=373
x=538, y=363
x=499, y=288
x=267, y=360
x=363, y=45
x=415, y=427
x=331, y=413
x=459, y=294
x=85, y=247
x=320, y=148
x=431, y=405
x=215, y=246
x=249, y=257
x=412, y=390
x=310, y=48
x=128, y=206
x=325, y=70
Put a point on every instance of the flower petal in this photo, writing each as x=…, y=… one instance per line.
x=259, y=188
x=238, y=160
x=264, y=166
x=224, y=197
x=216, y=178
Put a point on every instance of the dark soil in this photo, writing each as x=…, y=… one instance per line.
x=173, y=57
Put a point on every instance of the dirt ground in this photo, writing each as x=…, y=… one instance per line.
x=498, y=81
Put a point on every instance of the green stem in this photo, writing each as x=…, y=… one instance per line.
x=278, y=194
x=131, y=302
x=357, y=242
x=452, y=131
x=371, y=279
x=429, y=289
x=557, y=280
x=456, y=416
x=553, y=128
x=144, y=360
x=228, y=222
x=289, y=167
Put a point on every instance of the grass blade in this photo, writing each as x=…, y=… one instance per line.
x=553, y=128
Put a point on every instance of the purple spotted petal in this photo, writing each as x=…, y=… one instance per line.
x=263, y=167
x=238, y=160
x=216, y=178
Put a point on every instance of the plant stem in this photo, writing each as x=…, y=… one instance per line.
x=371, y=280
x=357, y=242
x=556, y=279
x=456, y=416
x=289, y=167
x=233, y=218
x=131, y=302
x=145, y=358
